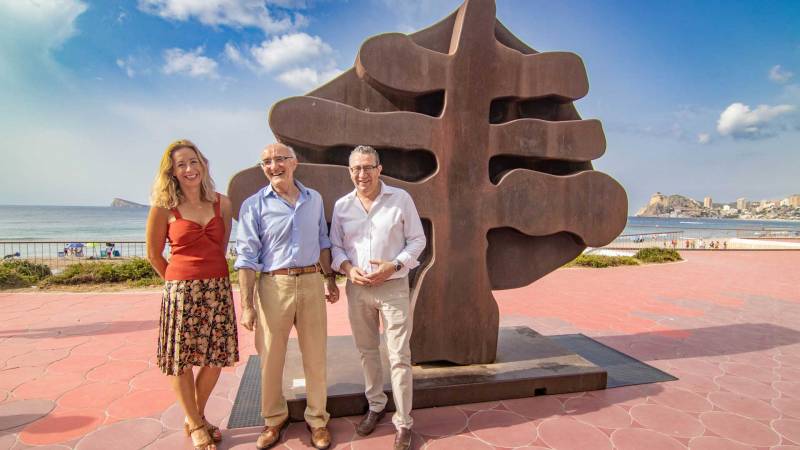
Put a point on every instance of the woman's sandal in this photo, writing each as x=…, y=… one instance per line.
x=205, y=438
x=213, y=430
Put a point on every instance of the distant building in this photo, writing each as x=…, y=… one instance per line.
x=794, y=200
x=726, y=207
x=707, y=203
x=741, y=204
x=768, y=203
x=785, y=202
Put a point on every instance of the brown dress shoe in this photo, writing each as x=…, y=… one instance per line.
x=271, y=435
x=402, y=440
x=320, y=437
x=369, y=422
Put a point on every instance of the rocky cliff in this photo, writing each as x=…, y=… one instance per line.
x=664, y=205
x=120, y=203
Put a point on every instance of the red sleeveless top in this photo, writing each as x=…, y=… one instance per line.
x=196, y=252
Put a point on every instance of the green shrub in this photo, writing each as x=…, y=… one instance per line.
x=135, y=269
x=146, y=282
x=16, y=273
x=103, y=272
x=11, y=279
x=27, y=268
x=657, y=255
x=600, y=261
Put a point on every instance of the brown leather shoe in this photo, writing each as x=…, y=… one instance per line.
x=369, y=422
x=402, y=440
x=271, y=435
x=320, y=437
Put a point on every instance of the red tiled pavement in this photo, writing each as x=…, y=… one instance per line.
x=62, y=426
x=726, y=323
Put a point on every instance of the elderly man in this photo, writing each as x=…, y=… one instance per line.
x=283, y=235
x=377, y=238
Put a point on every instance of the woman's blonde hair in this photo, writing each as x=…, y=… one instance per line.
x=166, y=189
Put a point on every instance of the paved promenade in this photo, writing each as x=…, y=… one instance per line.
x=77, y=370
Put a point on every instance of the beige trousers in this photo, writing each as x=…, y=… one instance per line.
x=285, y=301
x=366, y=306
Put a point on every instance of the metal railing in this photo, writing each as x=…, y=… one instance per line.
x=710, y=239
x=643, y=240
x=59, y=254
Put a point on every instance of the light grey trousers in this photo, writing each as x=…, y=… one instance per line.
x=366, y=307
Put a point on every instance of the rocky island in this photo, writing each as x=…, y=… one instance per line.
x=661, y=205
x=120, y=203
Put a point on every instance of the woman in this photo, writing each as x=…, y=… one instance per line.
x=198, y=324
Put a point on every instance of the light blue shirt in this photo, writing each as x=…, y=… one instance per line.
x=271, y=234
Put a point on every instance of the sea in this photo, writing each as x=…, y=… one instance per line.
x=107, y=224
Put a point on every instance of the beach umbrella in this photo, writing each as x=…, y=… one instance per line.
x=74, y=245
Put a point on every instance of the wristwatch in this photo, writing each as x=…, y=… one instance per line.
x=397, y=265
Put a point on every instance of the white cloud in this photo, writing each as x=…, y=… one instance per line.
x=136, y=65
x=57, y=16
x=703, y=138
x=306, y=78
x=300, y=21
x=289, y=50
x=234, y=55
x=30, y=30
x=739, y=121
x=127, y=65
x=779, y=74
x=290, y=4
x=298, y=60
x=191, y=63
x=230, y=13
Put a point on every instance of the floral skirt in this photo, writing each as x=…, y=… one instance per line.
x=197, y=326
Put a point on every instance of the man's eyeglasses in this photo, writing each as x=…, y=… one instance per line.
x=275, y=160
x=366, y=169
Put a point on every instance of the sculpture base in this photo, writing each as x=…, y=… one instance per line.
x=528, y=364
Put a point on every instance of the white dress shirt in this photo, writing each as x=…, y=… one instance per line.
x=391, y=230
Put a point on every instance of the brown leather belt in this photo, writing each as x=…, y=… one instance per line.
x=295, y=271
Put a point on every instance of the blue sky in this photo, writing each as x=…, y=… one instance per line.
x=696, y=98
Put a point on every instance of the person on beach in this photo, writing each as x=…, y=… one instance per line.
x=282, y=235
x=197, y=323
x=377, y=238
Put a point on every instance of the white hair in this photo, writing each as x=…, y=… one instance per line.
x=281, y=144
x=366, y=150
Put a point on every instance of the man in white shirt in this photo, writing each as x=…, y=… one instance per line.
x=377, y=237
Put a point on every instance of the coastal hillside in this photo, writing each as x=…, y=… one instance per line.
x=661, y=205
x=121, y=203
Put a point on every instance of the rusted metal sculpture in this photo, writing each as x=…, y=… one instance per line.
x=480, y=129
